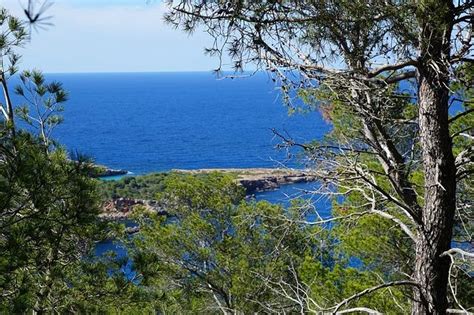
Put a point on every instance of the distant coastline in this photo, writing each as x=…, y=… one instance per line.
x=100, y=171
x=254, y=180
x=260, y=179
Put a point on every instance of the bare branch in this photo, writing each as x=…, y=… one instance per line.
x=458, y=251
x=392, y=67
x=401, y=77
x=359, y=309
x=371, y=290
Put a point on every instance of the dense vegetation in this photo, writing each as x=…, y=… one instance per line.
x=48, y=203
x=136, y=187
x=49, y=209
x=397, y=150
x=217, y=252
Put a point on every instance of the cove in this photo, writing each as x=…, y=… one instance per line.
x=282, y=196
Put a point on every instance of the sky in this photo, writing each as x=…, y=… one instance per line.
x=112, y=36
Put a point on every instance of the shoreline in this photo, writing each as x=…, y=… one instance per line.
x=254, y=180
x=260, y=179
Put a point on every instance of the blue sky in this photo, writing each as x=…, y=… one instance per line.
x=112, y=36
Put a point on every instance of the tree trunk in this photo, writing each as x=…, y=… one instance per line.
x=437, y=217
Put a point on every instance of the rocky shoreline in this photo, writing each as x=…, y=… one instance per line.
x=254, y=180
x=121, y=208
x=261, y=179
x=103, y=171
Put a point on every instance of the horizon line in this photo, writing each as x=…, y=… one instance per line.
x=149, y=72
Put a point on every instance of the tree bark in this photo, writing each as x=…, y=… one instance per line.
x=435, y=231
x=437, y=217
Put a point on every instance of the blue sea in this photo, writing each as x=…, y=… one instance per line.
x=152, y=122
x=148, y=122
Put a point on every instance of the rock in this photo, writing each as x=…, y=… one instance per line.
x=132, y=229
x=109, y=172
x=261, y=179
x=257, y=185
x=121, y=208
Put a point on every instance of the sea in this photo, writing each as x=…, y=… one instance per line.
x=155, y=122
x=150, y=122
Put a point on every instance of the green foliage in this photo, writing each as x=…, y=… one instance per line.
x=383, y=250
x=137, y=187
x=462, y=130
x=13, y=35
x=217, y=252
x=212, y=250
x=48, y=204
x=98, y=285
x=377, y=242
x=48, y=219
x=330, y=286
x=148, y=186
x=465, y=99
x=44, y=104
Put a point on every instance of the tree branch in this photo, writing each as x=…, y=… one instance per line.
x=467, y=112
x=359, y=309
x=401, y=77
x=392, y=67
x=6, y=94
x=371, y=290
x=457, y=251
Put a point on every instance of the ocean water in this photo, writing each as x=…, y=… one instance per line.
x=288, y=193
x=147, y=122
x=284, y=195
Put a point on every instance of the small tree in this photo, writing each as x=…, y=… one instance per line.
x=44, y=104
x=13, y=34
x=48, y=220
x=48, y=204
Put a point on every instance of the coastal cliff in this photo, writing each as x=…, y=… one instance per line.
x=260, y=179
x=103, y=171
x=252, y=179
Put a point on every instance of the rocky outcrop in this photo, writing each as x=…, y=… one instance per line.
x=96, y=170
x=121, y=208
x=261, y=179
x=254, y=185
x=252, y=179
x=113, y=172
